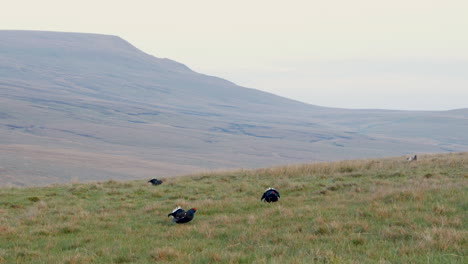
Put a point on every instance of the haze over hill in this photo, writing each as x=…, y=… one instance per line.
x=92, y=107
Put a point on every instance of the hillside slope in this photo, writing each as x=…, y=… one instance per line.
x=80, y=107
x=361, y=211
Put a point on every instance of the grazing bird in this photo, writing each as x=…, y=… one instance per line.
x=155, y=181
x=180, y=216
x=270, y=195
x=412, y=158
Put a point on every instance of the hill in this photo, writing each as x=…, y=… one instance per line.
x=358, y=211
x=83, y=107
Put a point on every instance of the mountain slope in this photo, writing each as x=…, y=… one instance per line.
x=92, y=107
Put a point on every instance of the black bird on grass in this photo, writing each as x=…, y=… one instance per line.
x=180, y=216
x=155, y=181
x=413, y=158
x=270, y=195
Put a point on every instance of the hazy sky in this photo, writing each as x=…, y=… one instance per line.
x=399, y=54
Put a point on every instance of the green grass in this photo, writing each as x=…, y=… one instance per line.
x=364, y=211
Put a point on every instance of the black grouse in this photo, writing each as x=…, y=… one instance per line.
x=180, y=216
x=155, y=181
x=270, y=195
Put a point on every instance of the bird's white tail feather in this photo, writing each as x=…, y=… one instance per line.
x=177, y=208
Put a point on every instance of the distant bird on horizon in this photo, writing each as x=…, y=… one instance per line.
x=155, y=181
x=412, y=158
x=180, y=216
x=270, y=195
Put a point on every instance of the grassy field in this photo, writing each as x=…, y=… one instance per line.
x=363, y=211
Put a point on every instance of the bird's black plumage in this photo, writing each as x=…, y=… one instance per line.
x=155, y=181
x=270, y=195
x=180, y=216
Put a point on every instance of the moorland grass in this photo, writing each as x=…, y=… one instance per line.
x=362, y=211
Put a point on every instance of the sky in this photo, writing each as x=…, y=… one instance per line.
x=360, y=54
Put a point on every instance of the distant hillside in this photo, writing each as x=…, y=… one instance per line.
x=360, y=211
x=80, y=107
